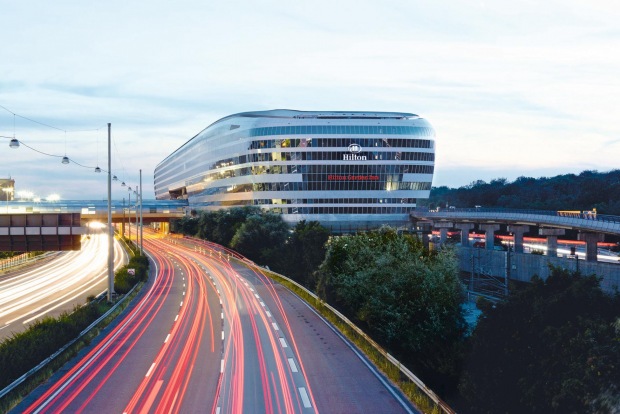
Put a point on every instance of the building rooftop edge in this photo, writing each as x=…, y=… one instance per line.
x=296, y=114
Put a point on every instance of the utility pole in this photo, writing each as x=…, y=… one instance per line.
x=110, y=229
x=141, y=224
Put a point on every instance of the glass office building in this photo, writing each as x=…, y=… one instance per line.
x=347, y=170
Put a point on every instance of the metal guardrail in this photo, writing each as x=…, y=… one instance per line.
x=23, y=258
x=49, y=359
x=445, y=408
x=581, y=220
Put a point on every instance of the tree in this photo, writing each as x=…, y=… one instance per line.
x=304, y=252
x=261, y=237
x=221, y=225
x=553, y=347
x=406, y=298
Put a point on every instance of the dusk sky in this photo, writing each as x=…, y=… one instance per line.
x=512, y=88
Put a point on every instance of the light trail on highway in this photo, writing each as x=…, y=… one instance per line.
x=56, y=285
x=213, y=336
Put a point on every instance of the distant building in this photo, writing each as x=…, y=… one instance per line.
x=7, y=185
x=347, y=170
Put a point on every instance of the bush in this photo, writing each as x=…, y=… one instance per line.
x=25, y=350
x=124, y=281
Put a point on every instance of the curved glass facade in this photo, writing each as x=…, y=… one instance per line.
x=347, y=170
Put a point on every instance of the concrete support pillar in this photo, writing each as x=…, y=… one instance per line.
x=443, y=227
x=465, y=228
x=552, y=246
x=552, y=240
x=517, y=232
x=489, y=234
x=423, y=229
x=443, y=235
x=591, y=240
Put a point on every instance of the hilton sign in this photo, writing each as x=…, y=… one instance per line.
x=354, y=150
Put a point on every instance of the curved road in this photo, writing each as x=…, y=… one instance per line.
x=56, y=285
x=207, y=335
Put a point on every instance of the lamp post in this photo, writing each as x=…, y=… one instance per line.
x=110, y=230
x=129, y=215
x=141, y=223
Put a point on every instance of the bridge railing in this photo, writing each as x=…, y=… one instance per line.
x=585, y=220
x=584, y=215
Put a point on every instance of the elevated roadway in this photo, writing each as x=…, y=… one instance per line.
x=583, y=221
x=514, y=264
x=97, y=210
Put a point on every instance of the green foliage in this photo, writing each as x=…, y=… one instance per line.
x=553, y=347
x=123, y=281
x=407, y=299
x=6, y=255
x=264, y=238
x=221, y=226
x=186, y=225
x=563, y=192
x=261, y=237
x=303, y=252
x=23, y=351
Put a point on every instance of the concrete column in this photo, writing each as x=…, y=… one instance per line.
x=591, y=240
x=443, y=235
x=489, y=234
x=465, y=228
x=517, y=232
x=552, y=246
x=443, y=227
x=423, y=229
x=552, y=239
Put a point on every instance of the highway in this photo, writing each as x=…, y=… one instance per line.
x=209, y=335
x=55, y=285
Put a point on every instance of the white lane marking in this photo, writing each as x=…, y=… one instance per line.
x=275, y=326
x=283, y=343
x=183, y=293
x=304, y=397
x=268, y=314
x=291, y=362
x=181, y=304
x=176, y=317
x=257, y=297
x=222, y=315
x=222, y=366
x=166, y=340
x=222, y=335
x=262, y=304
x=251, y=290
x=150, y=369
x=217, y=410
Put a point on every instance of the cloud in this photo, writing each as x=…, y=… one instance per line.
x=510, y=87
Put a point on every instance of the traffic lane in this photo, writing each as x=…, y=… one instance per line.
x=184, y=376
x=55, y=286
x=339, y=379
x=257, y=374
x=116, y=362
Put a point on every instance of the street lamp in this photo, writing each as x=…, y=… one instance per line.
x=110, y=230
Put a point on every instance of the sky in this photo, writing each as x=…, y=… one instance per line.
x=512, y=88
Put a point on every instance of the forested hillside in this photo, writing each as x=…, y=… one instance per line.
x=586, y=191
